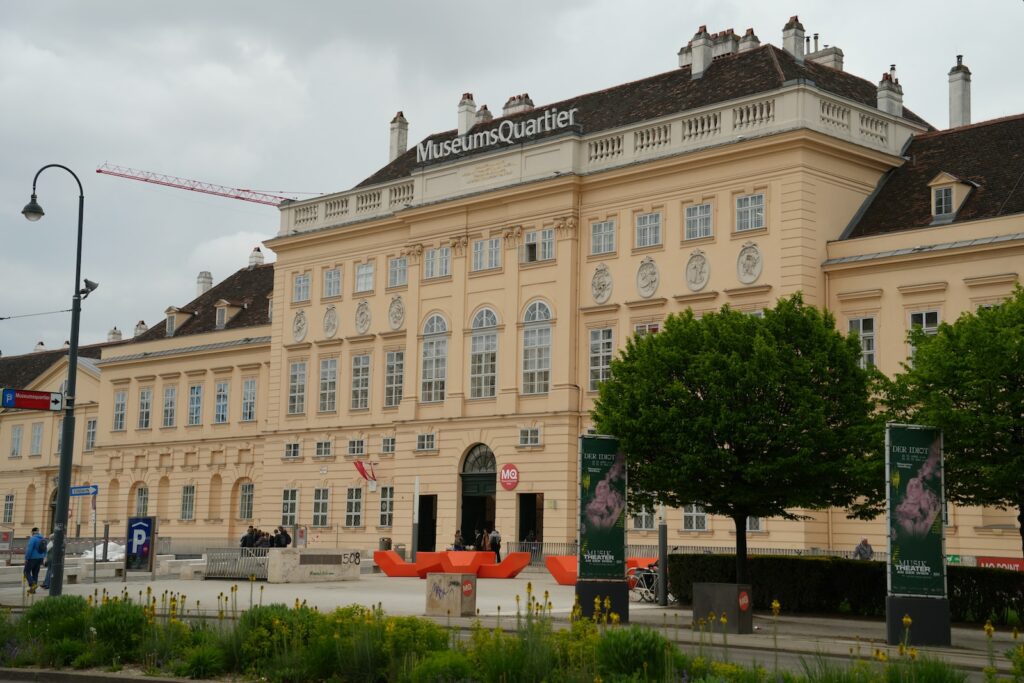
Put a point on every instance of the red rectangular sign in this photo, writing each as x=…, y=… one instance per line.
x=32, y=400
x=1012, y=563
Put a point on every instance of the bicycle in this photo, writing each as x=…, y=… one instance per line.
x=643, y=585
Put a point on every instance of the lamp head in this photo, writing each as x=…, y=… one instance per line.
x=32, y=210
x=89, y=288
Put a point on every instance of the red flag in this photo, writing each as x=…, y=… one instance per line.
x=362, y=469
x=373, y=475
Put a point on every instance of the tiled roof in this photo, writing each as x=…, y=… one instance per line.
x=728, y=77
x=248, y=341
x=18, y=372
x=247, y=288
x=989, y=154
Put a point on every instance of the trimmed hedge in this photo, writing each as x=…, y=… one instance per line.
x=831, y=585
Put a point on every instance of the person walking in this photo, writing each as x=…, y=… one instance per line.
x=863, y=551
x=48, y=563
x=35, y=553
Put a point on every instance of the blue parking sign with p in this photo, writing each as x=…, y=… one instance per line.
x=139, y=552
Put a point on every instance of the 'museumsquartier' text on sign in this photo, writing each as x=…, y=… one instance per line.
x=506, y=132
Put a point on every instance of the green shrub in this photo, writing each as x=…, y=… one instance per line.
x=351, y=644
x=120, y=627
x=496, y=656
x=977, y=594
x=205, y=660
x=635, y=651
x=922, y=669
x=273, y=632
x=445, y=666
x=164, y=642
x=53, y=619
x=61, y=653
x=9, y=643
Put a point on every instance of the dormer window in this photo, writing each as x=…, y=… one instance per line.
x=170, y=324
x=948, y=194
x=222, y=317
x=943, y=205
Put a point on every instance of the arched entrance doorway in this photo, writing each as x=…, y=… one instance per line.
x=479, y=481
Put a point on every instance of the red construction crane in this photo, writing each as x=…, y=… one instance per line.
x=194, y=185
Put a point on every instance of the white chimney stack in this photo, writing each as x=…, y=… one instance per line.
x=114, y=334
x=697, y=53
x=483, y=114
x=203, y=282
x=40, y=346
x=141, y=328
x=516, y=104
x=749, y=41
x=467, y=113
x=399, y=137
x=793, y=38
x=959, y=94
x=255, y=257
x=890, y=93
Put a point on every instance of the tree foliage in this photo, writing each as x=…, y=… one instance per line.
x=744, y=416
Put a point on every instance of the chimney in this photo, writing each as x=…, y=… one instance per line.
x=831, y=57
x=255, y=257
x=467, y=113
x=40, y=346
x=890, y=93
x=399, y=137
x=793, y=38
x=66, y=346
x=697, y=53
x=114, y=334
x=203, y=282
x=749, y=41
x=959, y=94
x=483, y=114
x=141, y=328
x=517, y=104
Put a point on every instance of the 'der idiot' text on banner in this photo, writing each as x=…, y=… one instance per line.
x=915, y=504
x=602, y=509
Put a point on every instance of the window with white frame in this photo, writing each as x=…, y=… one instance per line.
x=170, y=405
x=324, y=449
x=188, y=502
x=387, y=505
x=539, y=245
x=300, y=287
x=694, y=518
x=289, y=507
x=60, y=436
x=90, y=435
x=16, y=432
x=221, y=317
x=328, y=384
x=332, y=282
x=141, y=501
x=246, y=494
x=487, y=254
x=437, y=262
x=387, y=445
x=364, y=277
x=943, y=201
x=356, y=447
x=529, y=436
x=169, y=325
x=749, y=212
x=537, y=348
x=354, y=507
x=426, y=442
x=360, y=382
x=602, y=237
x=641, y=329
x=648, y=230
x=195, y=404
x=9, y=508
x=754, y=524
x=292, y=449
x=297, y=387
x=321, y=506
x=926, y=321
x=394, y=378
x=120, y=406
x=36, y=445
x=698, y=221
x=865, y=328
x=643, y=519
x=220, y=402
x=248, y=399
x=601, y=348
x=483, y=355
x=435, y=359
x=145, y=407
x=398, y=271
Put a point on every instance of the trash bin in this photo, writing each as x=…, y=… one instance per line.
x=400, y=549
x=384, y=543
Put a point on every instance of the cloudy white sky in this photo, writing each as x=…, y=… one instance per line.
x=297, y=97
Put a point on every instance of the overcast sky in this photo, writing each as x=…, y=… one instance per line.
x=297, y=96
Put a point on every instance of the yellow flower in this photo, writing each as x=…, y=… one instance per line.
x=724, y=620
x=1016, y=633
x=907, y=621
x=881, y=656
x=989, y=629
x=903, y=649
x=776, y=608
x=912, y=652
x=615, y=618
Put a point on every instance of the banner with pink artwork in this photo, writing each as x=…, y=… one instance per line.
x=602, y=544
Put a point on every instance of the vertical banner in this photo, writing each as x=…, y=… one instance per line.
x=915, y=502
x=602, y=547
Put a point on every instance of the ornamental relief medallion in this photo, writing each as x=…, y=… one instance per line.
x=362, y=317
x=299, y=326
x=396, y=313
x=330, y=322
x=601, y=284
x=698, y=271
x=647, y=278
x=749, y=264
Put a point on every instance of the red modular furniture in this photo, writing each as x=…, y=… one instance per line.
x=428, y=563
x=392, y=564
x=509, y=567
x=640, y=562
x=466, y=561
x=563, y=568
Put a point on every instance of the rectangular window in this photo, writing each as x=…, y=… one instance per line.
x=90, y=435
x=16, y=432
x=943, y=201
x=487, y=254
x=36, y=447
x=927, y=321
x=640, y=329
x=749, y=212
x=170, y=405
x=698, y=221
x=323, y=449
x=188, y=501
x=865, y=327
x=292, y=450
x=145, y=407
x=387, y=445
x=483, y=365
x=435, y=369
x=297, y=388
x=356, y=447
x=246, y=494
x=141, y=501
x=289, y=507
x=529, y=436
x=321, y=505
x=398, y=271
x=426, y=442
x=643, y=520
x=754, y=524
x=536, y=359
x=437, y=262
x=120, y=407
x=602, y=237
x=220, y=403
x=694, y=518
x=354, y=507
x=364, y=277
x=600, y=356
x=195, y=404
x=248, y=399
x=9, y=509
x=222, y=318
x=648, y=230
x=332, y=282
x=328, y=384
x=300, y=287
x=539, y=245
x=387, y=505
x=394, y=372
x=360, y=382
x=169, y=325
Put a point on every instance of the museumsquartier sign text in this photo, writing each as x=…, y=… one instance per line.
x=507, y=132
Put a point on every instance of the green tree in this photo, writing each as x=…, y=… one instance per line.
x=968, y=380
x=744, y=416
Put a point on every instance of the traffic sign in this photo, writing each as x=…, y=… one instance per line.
x=138, y=555
x=32, y=400
x=90, y=490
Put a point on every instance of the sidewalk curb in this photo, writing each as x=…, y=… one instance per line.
x=62, y=676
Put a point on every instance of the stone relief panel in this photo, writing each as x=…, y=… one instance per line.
x=299, y=326
x=330, y=322
x=647, y=278
x=749, y=264
x=601, y=284
x=396, y=313
x=698, y=271
x=362, y=317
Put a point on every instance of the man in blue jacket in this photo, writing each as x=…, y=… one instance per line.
x=35, y=552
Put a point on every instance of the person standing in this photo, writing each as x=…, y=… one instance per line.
x=48, y=563
x=495, y=544
x=863, y=551
x=35, y=553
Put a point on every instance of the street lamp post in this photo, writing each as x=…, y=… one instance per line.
x=33, y=212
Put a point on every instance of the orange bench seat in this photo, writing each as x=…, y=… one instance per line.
x=508, y=568
x=563, y=568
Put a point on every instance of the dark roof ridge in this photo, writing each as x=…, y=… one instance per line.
x=775, y=61
x=969, y=126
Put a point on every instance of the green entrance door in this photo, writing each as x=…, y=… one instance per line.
x=479, y=482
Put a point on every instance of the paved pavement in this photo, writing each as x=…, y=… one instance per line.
x=797, y=635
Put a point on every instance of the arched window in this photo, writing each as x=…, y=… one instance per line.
x=537, y=348
x=479, y=460
x=435, y=359
x=483, y=355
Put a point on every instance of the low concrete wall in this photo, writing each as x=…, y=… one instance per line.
x=306, y=565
